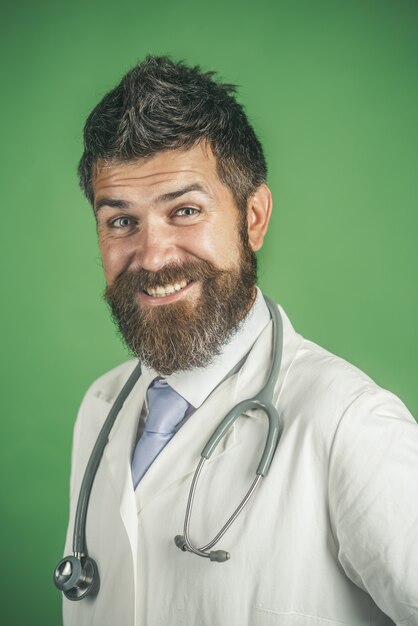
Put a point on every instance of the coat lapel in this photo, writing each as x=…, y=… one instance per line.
x=117, y=460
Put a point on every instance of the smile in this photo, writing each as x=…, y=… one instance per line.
x=165, y=290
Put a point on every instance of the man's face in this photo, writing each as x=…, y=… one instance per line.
x=179, y=269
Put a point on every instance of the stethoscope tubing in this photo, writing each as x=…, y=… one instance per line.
x=79, y=537
x=261, y=401
x=203, y=550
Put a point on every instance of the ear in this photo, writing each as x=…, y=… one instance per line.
x=258, y=214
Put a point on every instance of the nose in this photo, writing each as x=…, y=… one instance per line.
x=155, y=247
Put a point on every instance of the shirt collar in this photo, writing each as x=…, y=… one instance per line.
x=195, y=385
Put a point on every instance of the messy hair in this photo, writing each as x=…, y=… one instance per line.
x=162, y=105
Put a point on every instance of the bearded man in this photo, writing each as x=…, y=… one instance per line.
x=176, y=177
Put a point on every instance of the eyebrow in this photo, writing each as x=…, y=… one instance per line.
x=112, y=203
x=166, y=197
x=173, y=195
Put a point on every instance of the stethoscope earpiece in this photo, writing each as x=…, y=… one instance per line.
x=77, y=577
x=216, y=556
x=219, y=556
x=180, y=542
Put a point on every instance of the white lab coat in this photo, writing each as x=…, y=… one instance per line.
x=330, y=537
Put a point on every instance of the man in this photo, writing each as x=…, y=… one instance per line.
x=176, y=177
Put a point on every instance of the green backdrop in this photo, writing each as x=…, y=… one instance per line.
x=331, y=87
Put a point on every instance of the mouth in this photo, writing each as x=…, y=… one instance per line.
x=161, y=291
x=167, y=294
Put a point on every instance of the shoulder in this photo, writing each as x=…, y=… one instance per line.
x=335, y=378
x=315, y=375
x=94, y=408
x=321, y=389
x=326, y=374
x=99, y=398
x=108, y=385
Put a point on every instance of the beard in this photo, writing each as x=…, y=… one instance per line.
x=185, y=334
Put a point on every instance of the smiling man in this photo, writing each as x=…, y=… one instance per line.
x=177, y=181
x=180, y=241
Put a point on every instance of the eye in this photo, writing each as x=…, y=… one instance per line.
x=122, y=222
x=186, y=211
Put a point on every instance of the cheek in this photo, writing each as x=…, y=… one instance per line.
x=226, y=250
x=220, y=245
x=114, y=260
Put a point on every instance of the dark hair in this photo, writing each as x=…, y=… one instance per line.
x=162, y=105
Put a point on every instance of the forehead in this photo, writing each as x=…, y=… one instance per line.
x=164, y=169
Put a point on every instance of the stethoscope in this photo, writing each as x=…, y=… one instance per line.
x=77, y=575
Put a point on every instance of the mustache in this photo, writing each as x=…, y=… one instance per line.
x=189, y=271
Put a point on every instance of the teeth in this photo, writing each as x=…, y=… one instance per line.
x=166, y=290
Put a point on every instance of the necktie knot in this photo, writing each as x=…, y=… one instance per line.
x=166, y=408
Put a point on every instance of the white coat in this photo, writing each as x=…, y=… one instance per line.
x=330, y=537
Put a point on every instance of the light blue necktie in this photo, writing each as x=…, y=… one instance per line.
x=166, y=409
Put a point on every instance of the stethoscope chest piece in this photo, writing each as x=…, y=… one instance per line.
x=77, y=577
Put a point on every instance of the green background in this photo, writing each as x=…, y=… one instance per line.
x=331, y=87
